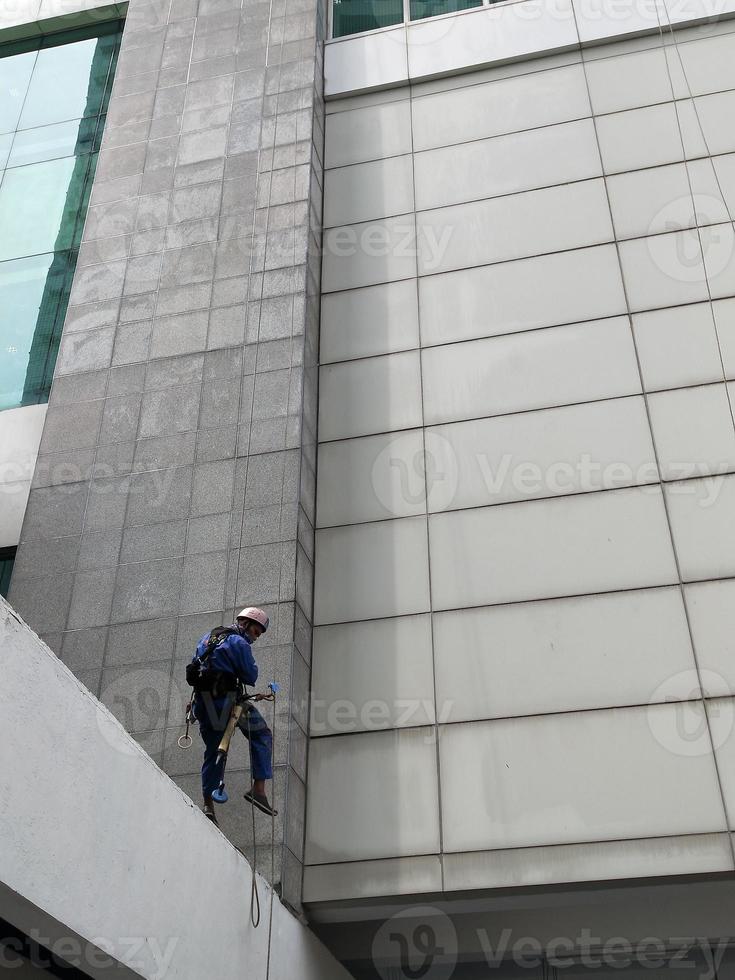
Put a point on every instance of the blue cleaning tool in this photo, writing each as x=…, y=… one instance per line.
x=220, y=794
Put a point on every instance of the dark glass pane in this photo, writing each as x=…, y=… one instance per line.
x=355, y=16
x=7, y=557
x=431, y=8
x=15, y=76
x=53, y=142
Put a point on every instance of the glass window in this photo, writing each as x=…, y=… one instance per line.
x=57, y=96
x=15, y=76
x=431, y=8
x=7, y=557
x=52, y=194
x=33, y=297
x=68, y=82
x=64, y=139
x=355, y=16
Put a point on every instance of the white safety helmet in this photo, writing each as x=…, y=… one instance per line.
x=257, y=616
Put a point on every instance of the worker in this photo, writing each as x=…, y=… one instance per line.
x=230, y=666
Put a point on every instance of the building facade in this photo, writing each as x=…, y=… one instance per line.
x=414, y=324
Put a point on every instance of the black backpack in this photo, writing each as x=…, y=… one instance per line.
x=201, y=677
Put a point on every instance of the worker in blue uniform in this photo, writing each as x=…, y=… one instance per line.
x=232, y=664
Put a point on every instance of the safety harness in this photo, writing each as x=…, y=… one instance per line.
x=203, y=678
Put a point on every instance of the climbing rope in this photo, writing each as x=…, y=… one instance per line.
x=255, y=910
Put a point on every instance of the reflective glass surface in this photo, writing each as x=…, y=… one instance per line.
x=431, y=8
x=53, y=98
x=7, y=557
x=355, y=16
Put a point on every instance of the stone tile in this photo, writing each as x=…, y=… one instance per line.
x=147, y=590
x=166, y=411
x=198, y=201
x=115, y=459
x=210, y=92
x=137, y=695
x=50, y=614
x=85, y=351
x=142, y=275
x=226, y=327
x=182, y=266
x=220, y=403
x=168, y=372
x=126, y=380
x=132, y=342
x=165, y=451
x=39, y=556
x=106, y=504
x=208, y=534
x=91, y=599
x=146, y=542
x=159, y=495
x=183, y=299
x=203, y=582
x=141, y=307
x=143, y=642
x=55, y=469
x=215, y=444
x=99, y=548
x=183, y=333
x=84, y=649
x=75, y=388
x=55, y=511
x=120, y=418
x=212, y=488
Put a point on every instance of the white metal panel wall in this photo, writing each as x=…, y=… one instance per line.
x=525, y=492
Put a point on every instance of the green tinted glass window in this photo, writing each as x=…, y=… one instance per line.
x=68, y=82
x=52, y=104
x=432, y=8
x=15, y=77
x=34, y=293
x=355, y=16
x=7, y=557
x=52, y=142
x=52, y=193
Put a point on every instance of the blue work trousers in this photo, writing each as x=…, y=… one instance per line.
x=252, y=724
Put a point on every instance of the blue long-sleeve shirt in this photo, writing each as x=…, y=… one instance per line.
x=234, y=655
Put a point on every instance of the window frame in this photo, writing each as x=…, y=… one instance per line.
x=407, y=21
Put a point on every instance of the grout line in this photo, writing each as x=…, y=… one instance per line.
x=437, y=754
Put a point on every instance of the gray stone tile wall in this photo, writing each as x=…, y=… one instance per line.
x=176, y=477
